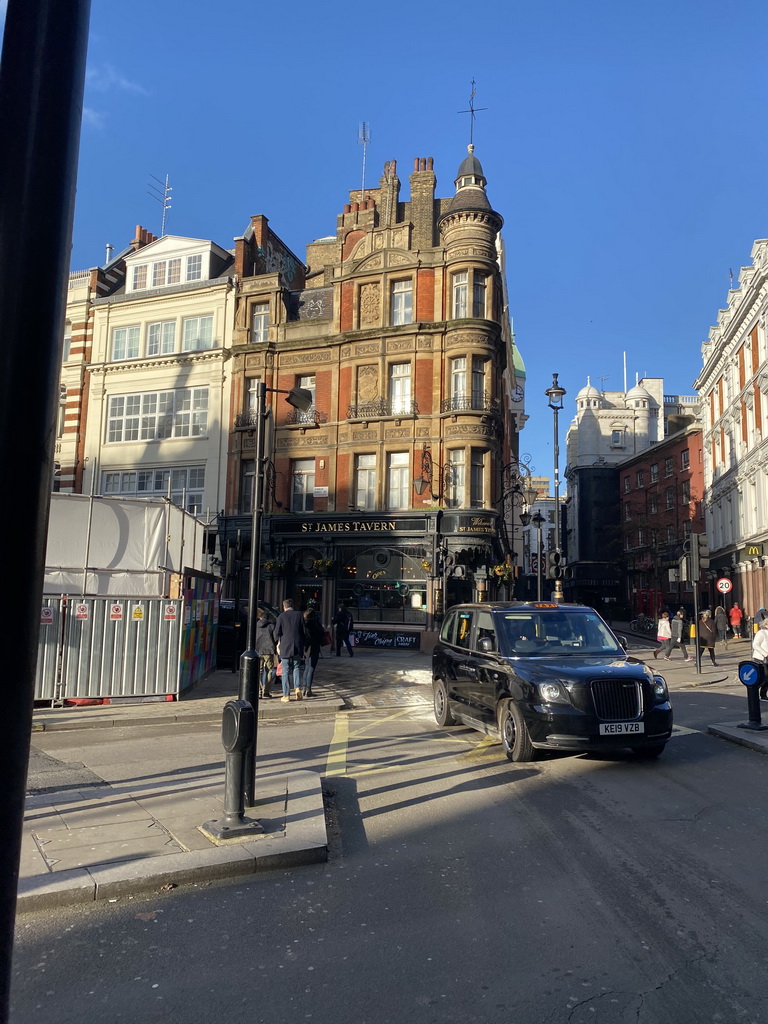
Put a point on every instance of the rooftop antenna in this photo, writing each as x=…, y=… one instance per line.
x=472, y=110
x=363, y=137
x=625, y=373
x=163, y=196
x=602, y=382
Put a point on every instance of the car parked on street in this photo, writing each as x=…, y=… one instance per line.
x=545, y=676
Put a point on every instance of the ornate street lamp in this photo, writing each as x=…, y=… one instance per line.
x=555, y=394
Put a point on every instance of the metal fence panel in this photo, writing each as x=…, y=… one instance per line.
x=48, y=647
x=121, y=647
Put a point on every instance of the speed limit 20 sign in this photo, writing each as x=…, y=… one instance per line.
x=724, y=585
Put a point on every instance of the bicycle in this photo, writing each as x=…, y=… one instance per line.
x=642, y=624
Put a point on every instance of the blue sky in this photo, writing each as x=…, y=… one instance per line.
x=624, y=145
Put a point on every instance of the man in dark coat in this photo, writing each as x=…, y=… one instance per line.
x=291, y=635
x=342, y=620
x=265, y=648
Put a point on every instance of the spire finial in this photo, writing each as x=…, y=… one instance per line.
x=472, y=110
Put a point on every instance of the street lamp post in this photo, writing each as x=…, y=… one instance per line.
x=555, y=394
x=300, y=399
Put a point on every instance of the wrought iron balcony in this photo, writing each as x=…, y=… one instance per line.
x=246, y=420
x=382, y=407
x=477, y=402
x=310, y=418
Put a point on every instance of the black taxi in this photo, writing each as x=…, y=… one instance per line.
x=546, y=677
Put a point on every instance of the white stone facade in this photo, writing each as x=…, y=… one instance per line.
x=733, y=385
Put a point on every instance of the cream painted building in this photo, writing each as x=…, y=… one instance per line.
x=157, y=381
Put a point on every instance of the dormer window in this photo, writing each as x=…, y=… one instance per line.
x=467, y=180
x=194, y=268
x=166, y=272
x=140, y=277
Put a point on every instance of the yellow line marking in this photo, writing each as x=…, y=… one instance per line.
x=337, y=751
x=480, y=751
x=377, y=721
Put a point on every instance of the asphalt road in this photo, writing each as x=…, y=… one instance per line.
x=459, y=888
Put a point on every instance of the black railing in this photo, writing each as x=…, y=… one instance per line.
x=309, y=418
x=246, y=420
x=382, y=407
x=470, y=403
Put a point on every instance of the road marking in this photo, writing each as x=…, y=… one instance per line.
x=480, y=751
x=680, y=730
x=337, y=751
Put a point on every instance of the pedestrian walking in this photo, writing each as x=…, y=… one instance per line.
x=707, y=634
x=266, y=650
x=664, y=636
x=677, y=628
x=760, y=654
x=315, y=634
x=735, y=615
x=291, y=634
x=342, y=620
x=721, y=625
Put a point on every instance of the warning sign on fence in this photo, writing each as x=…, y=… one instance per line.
x=138, y=612
x=115, y=612
x=170, y=613
x=81, y=611
x=46, y=616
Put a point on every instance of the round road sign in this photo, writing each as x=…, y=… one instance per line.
x=750, y=673
x=724, y=585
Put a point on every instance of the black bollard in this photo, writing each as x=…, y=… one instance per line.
x=238, y=727
x=751, y=673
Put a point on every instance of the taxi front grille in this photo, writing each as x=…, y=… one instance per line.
x=616, y=699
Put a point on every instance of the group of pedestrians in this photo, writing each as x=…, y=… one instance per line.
x=293, y=642
x=711, y=629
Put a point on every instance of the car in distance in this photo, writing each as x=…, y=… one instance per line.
x=546, y=676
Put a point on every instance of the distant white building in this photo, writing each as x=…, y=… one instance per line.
x=733, y=385
x=609, y=427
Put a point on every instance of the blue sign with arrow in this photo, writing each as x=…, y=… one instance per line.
x=750, y=673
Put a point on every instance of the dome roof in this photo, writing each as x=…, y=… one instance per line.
x=472, y=166
x=638, y=391
x=590, y=391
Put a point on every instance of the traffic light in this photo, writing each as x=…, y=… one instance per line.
x=554, y=568
x=703, y=546
x=699, y=546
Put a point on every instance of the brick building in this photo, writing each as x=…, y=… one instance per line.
x=661, y=502
x=390, y=487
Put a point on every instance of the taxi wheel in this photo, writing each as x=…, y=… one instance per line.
x=514, y=734
x=649, y=753
x=443, y=714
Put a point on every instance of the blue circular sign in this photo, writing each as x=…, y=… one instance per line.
x=749, y=673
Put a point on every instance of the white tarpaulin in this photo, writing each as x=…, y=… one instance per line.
x=118, y=545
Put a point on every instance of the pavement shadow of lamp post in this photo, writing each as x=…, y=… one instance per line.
x=556, y=394
x=300, y=399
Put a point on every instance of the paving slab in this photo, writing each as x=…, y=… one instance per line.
x=744, y=737
x=115, y=856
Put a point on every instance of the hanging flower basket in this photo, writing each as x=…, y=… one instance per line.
x=274, y=567
x=503, y=573
x=321, y=566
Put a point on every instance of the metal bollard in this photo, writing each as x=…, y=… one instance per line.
x=751, y=674
x=238, y=727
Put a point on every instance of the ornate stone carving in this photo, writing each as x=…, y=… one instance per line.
x=304, y=358
x=422, y=431
x=346, y=352
x=302, y=441
x=367, y=350
x=367, y=384
x=396, y=432
x=370, y=304
x=469, y=430
x=399, y=346
x=375, y=262
x=398, y=259
x=364, y=435
x=424, y=343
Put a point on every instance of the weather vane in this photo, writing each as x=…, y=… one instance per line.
x=472, y=110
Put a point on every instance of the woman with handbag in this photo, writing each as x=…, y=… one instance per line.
x=707, y=634
x=664, y=636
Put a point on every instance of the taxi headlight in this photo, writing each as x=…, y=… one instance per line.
x=553, y=693
x=660, y=691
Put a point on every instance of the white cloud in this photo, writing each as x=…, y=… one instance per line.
x=105, y=78
x=93, y=118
